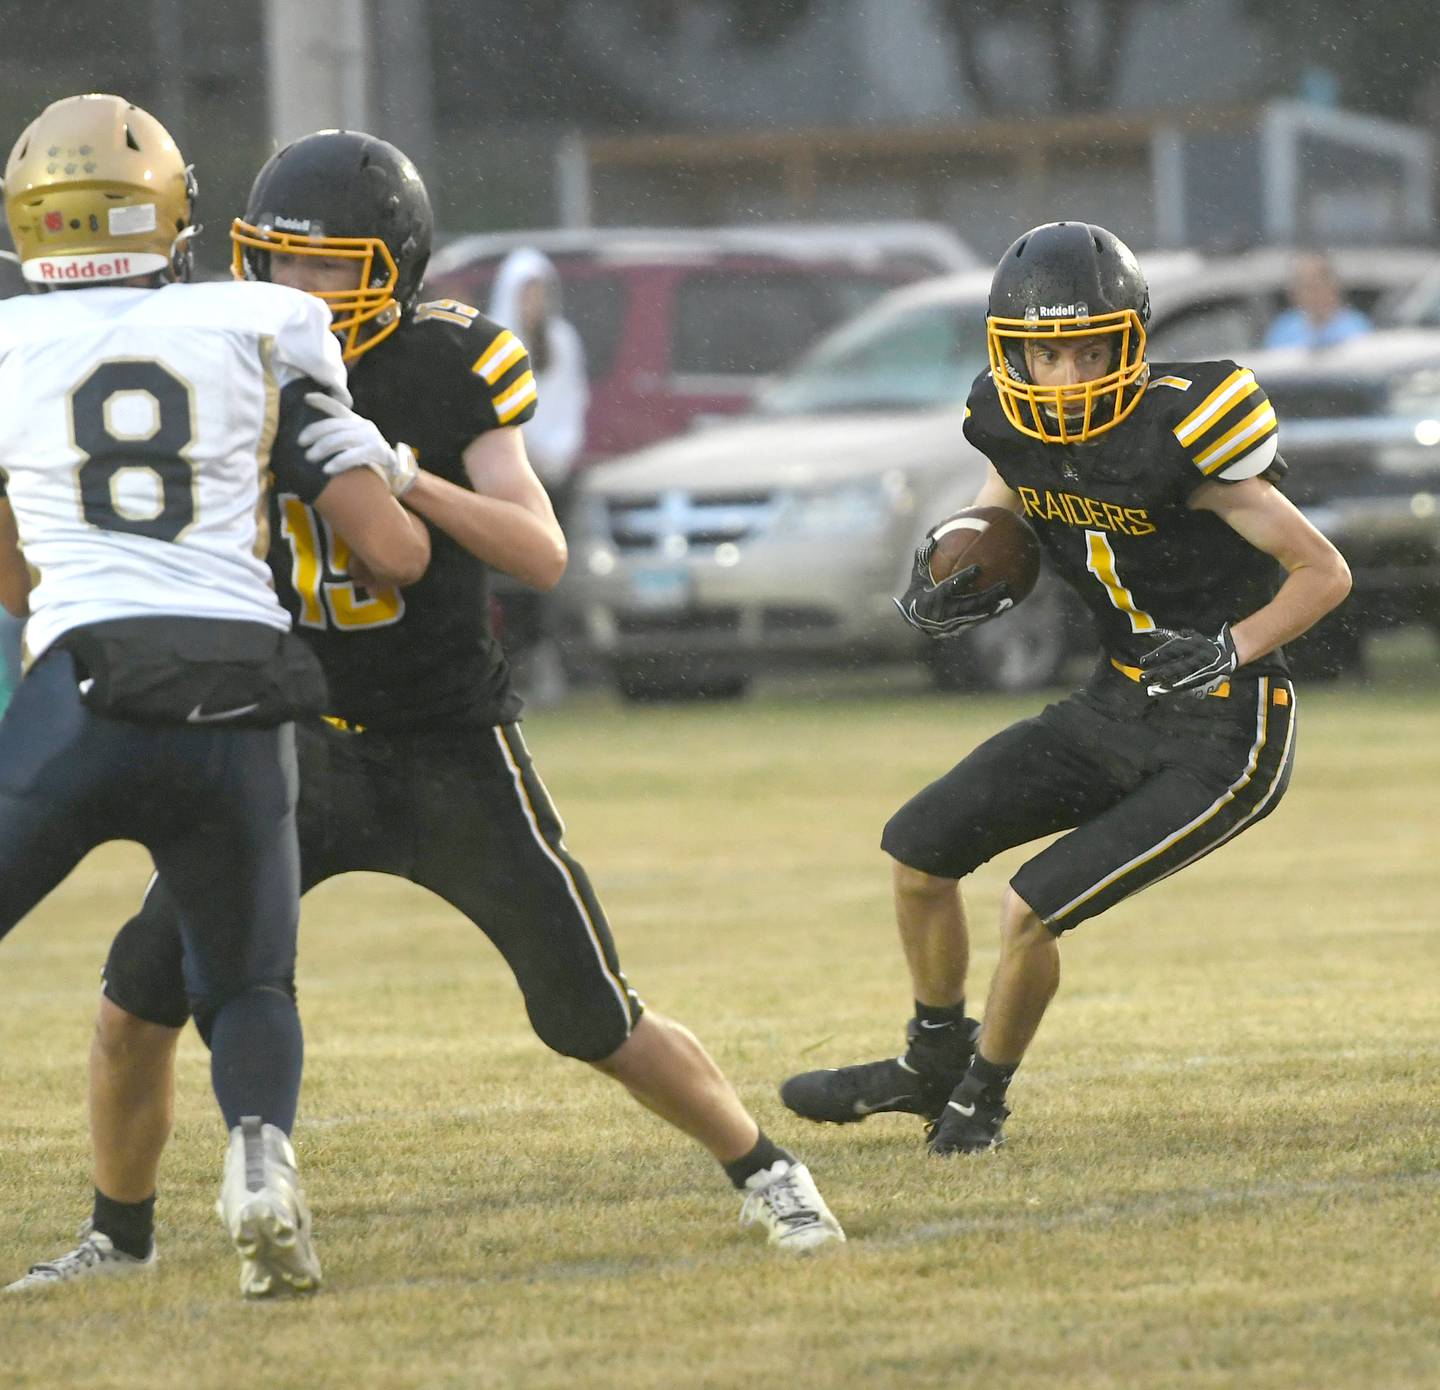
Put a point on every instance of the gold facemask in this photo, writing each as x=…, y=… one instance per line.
x=362, y=316
x=96, y=191
x=1069, y=414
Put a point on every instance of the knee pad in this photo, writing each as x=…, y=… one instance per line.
x=143, y=973
x=586, y=1034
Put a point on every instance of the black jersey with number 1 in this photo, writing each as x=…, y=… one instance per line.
x=422, y=657
x=1113, y=514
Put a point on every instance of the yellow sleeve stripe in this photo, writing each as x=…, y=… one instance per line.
x=1249, y=432
x=1180, y=383
x=502, y=353
x=508, y=406
x=1239, y=384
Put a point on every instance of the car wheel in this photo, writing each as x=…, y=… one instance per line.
x=653, y=682
x=1020, y=651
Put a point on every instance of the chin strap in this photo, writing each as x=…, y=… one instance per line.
x=182, y=253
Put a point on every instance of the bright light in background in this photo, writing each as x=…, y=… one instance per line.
x=1423, y=505
x=1427, y=432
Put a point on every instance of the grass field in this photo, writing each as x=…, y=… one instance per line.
x=1222, y=1168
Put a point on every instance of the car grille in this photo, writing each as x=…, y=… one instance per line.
x=690, y=620
x=777, y=619
x=1325, y=400
x=684, y=520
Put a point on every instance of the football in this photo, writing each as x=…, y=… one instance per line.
x=997, y=540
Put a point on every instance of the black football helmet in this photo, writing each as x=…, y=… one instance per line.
x=351, y=196
x=1068, y=280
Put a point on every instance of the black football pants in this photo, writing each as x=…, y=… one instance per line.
x=1144, y=785
x=464, y=814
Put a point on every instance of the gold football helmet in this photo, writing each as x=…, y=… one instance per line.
x=96, y=191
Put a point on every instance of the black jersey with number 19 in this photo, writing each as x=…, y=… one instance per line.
x=1113, y=514
x=423, y=657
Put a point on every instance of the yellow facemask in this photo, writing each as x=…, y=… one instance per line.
x=1068, y=414
x=362, y=316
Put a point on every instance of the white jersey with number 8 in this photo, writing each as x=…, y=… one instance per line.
x=135, y=435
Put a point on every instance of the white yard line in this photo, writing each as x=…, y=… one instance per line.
x=1097, y=1214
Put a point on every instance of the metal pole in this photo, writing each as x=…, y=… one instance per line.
x=404, y=84
x=168, y=100
x=1167, y=174
x=318, y=59
x=574, y=206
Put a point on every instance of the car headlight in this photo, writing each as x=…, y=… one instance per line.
x=587, y=530
x=588, y=517
x=855, y=507
x=1416, y=394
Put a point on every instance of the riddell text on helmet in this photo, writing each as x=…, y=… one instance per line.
x=87, y=270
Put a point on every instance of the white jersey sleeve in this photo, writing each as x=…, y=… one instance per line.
x=135, y=445
x=305, y=347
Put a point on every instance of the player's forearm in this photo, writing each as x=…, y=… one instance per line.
x=14, y=585
x=505, y=535
x=14, y=573
x=1309, y=592
x=15, y=601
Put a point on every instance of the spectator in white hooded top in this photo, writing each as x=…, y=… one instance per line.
x=526, y=300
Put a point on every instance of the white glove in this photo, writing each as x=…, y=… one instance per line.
x=347, y=440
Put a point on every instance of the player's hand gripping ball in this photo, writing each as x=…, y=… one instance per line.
x=972, y=567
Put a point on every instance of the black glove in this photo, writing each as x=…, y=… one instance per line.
x=946, y=609
x=1188, y=662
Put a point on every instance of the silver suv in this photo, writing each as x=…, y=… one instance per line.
x=780, y=537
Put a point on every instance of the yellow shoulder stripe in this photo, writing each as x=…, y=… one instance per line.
x=450, y=310
x=1254, y=427
x=502, y=354
x=1239, y=384
x=1180, y=383
x=508, y=406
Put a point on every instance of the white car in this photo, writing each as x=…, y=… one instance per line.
x=780, y=536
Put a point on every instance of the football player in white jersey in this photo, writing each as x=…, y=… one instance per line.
x=144, y=418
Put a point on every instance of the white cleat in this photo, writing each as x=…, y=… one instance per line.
x=785, y=1201
x=265, y=1213
x=95, y=1257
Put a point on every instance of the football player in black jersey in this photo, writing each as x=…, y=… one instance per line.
x=1150, y=489
x=421, y=770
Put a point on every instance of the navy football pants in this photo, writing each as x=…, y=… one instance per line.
x=216, y=810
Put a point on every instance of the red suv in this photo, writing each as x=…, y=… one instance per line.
x=679, y=323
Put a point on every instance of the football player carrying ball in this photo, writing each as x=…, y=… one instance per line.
x=1150, y=488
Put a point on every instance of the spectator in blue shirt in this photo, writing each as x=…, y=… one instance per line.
x=1320, y=318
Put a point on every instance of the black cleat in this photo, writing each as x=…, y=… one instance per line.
x=969, y=1122
x=917, y=1083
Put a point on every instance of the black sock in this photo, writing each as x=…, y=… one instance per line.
x=937, y=1018
x=993, y=1077
x=130, y=1225
x=765, y=1153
